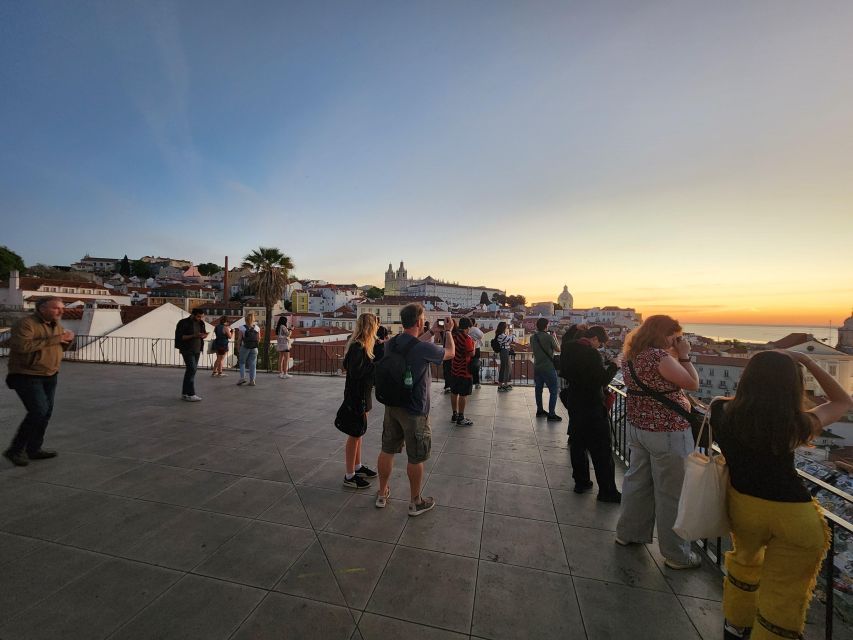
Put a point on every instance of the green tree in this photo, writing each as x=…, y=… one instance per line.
x=558, y=306
x=516, y=301
x=124, y=267
x=499, y=299
x=10, y=261
x=270, y=268
x=484, y=298
x=140, y=269
x=374, y=292
x=208, y=268
x=47, y=272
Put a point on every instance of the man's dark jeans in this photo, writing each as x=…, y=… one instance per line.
x=36, y=392
x=540, y=379
x=591, y=433
x=191, y=361
x=445, y=370
x=475, y=366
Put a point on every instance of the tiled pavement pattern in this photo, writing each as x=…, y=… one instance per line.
x=227, y=519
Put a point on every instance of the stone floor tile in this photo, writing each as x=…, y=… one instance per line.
x=14, y=547
x=94, y=605
x=321, y=505
x=617, y=612
x=551, y=611
x=196, y=608
x=457, y=464
x=185, y=541
x=191, y=489
x=451, y=491
x=35, y=576
x=55, y=522
x=139, y=481
x=555, y=455
x=513, y=472
x=22, y=497
x=428, y=588
x=584, y=510
x=282, y=616
x=258, y=555
x=515, y=451
x=444, y=529
x=357, y=565
x=520, y=501
x=706, y=616
x=559, y=477
x=468, y=446
x=117, y=530
x=311, y=576
x=248, y=497
x=374, y=627
x=593, y=553
x=360, y=518
x=527, y=543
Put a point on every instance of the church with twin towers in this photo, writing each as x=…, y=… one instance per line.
x=398, y=283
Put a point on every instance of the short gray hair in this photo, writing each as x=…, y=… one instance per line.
x=43, y=301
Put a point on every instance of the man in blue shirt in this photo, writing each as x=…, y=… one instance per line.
x=409, y=425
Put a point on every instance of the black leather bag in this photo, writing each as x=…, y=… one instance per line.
x=350, y=421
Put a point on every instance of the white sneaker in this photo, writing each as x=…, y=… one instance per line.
x=287, y=375
x=192, y=398
x=694, y=561
x=221, y=375
x=282, y=376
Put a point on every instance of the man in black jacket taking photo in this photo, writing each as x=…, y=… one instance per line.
x=588, y=376
x=189, y=340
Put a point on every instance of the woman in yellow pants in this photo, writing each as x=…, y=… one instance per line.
x=778, y=533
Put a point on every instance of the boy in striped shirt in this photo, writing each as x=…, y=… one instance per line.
x=461, y=380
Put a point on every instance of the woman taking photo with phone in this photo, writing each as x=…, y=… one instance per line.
x=779, y=535
x=656, y=369
x=505, y=339
x=282, y=346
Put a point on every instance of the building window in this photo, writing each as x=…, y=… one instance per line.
x=833, y=369
x=711, y=372
x=725, y=373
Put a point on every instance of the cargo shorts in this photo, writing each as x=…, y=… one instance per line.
x=400, y=427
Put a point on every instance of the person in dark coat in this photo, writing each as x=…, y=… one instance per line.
x=587, y=376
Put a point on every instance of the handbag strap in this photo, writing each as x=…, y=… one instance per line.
x=657, y=395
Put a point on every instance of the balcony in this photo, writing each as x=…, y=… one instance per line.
x=226, y=519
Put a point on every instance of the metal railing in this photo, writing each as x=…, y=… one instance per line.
x=836, y=580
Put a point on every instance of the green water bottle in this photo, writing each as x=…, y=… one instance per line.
x=408, y=382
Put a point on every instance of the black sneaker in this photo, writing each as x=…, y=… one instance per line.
x=615, y=498
x=454, y=417
x=541, y=412
x=42, y=454
x=17, y=458
x=356, y=482
x=583, y=487
x=731, y=632
x=464, y=422
x=553, y=417
x=365, y=472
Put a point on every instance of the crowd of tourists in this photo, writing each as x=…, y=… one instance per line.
x=779, y=536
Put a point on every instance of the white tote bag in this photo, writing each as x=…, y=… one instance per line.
x=702, y=511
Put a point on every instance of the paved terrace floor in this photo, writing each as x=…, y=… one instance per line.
x=166, y=519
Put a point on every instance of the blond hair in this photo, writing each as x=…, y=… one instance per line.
x=250, y=318
x=365, y=333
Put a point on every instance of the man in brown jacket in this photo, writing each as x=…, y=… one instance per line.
x=35, y=352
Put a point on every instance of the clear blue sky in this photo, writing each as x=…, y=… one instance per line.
x=637, y=151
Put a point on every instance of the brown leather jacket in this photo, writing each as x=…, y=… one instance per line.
x=35, y=348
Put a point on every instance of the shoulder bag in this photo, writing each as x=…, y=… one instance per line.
x=702, y=511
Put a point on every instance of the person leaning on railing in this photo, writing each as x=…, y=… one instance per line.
x=659, y=437
x=778, y=533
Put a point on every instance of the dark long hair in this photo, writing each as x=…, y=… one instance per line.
x=281, y=321
x=768, y=410
x=501, y=329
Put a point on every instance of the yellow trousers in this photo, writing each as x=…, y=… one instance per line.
x=772, y=569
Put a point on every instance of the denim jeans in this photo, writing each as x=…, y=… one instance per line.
x=248, y=357
x=540, y=379
x=36, y=392
x=505, y=371
x=191, y=362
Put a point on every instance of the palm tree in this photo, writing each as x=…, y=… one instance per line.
x=270, y=268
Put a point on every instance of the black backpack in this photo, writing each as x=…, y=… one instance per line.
x=251, y=337
x=390, y=374
x=495, y=345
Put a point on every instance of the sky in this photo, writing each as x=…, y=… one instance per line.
x=679, y=157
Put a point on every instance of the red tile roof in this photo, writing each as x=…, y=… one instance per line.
x=34, y=284
x=131, y=313
x=721, y=361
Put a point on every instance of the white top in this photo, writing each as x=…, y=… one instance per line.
x=476, y=336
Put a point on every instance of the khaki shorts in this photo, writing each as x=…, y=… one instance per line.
x=401, y=427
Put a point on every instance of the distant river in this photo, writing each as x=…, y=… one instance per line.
x=759, y=332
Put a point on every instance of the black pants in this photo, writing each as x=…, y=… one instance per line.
x=36, y=392
x=475, y=366
x=591, y=434
x=191, y=361
x=445, y=368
